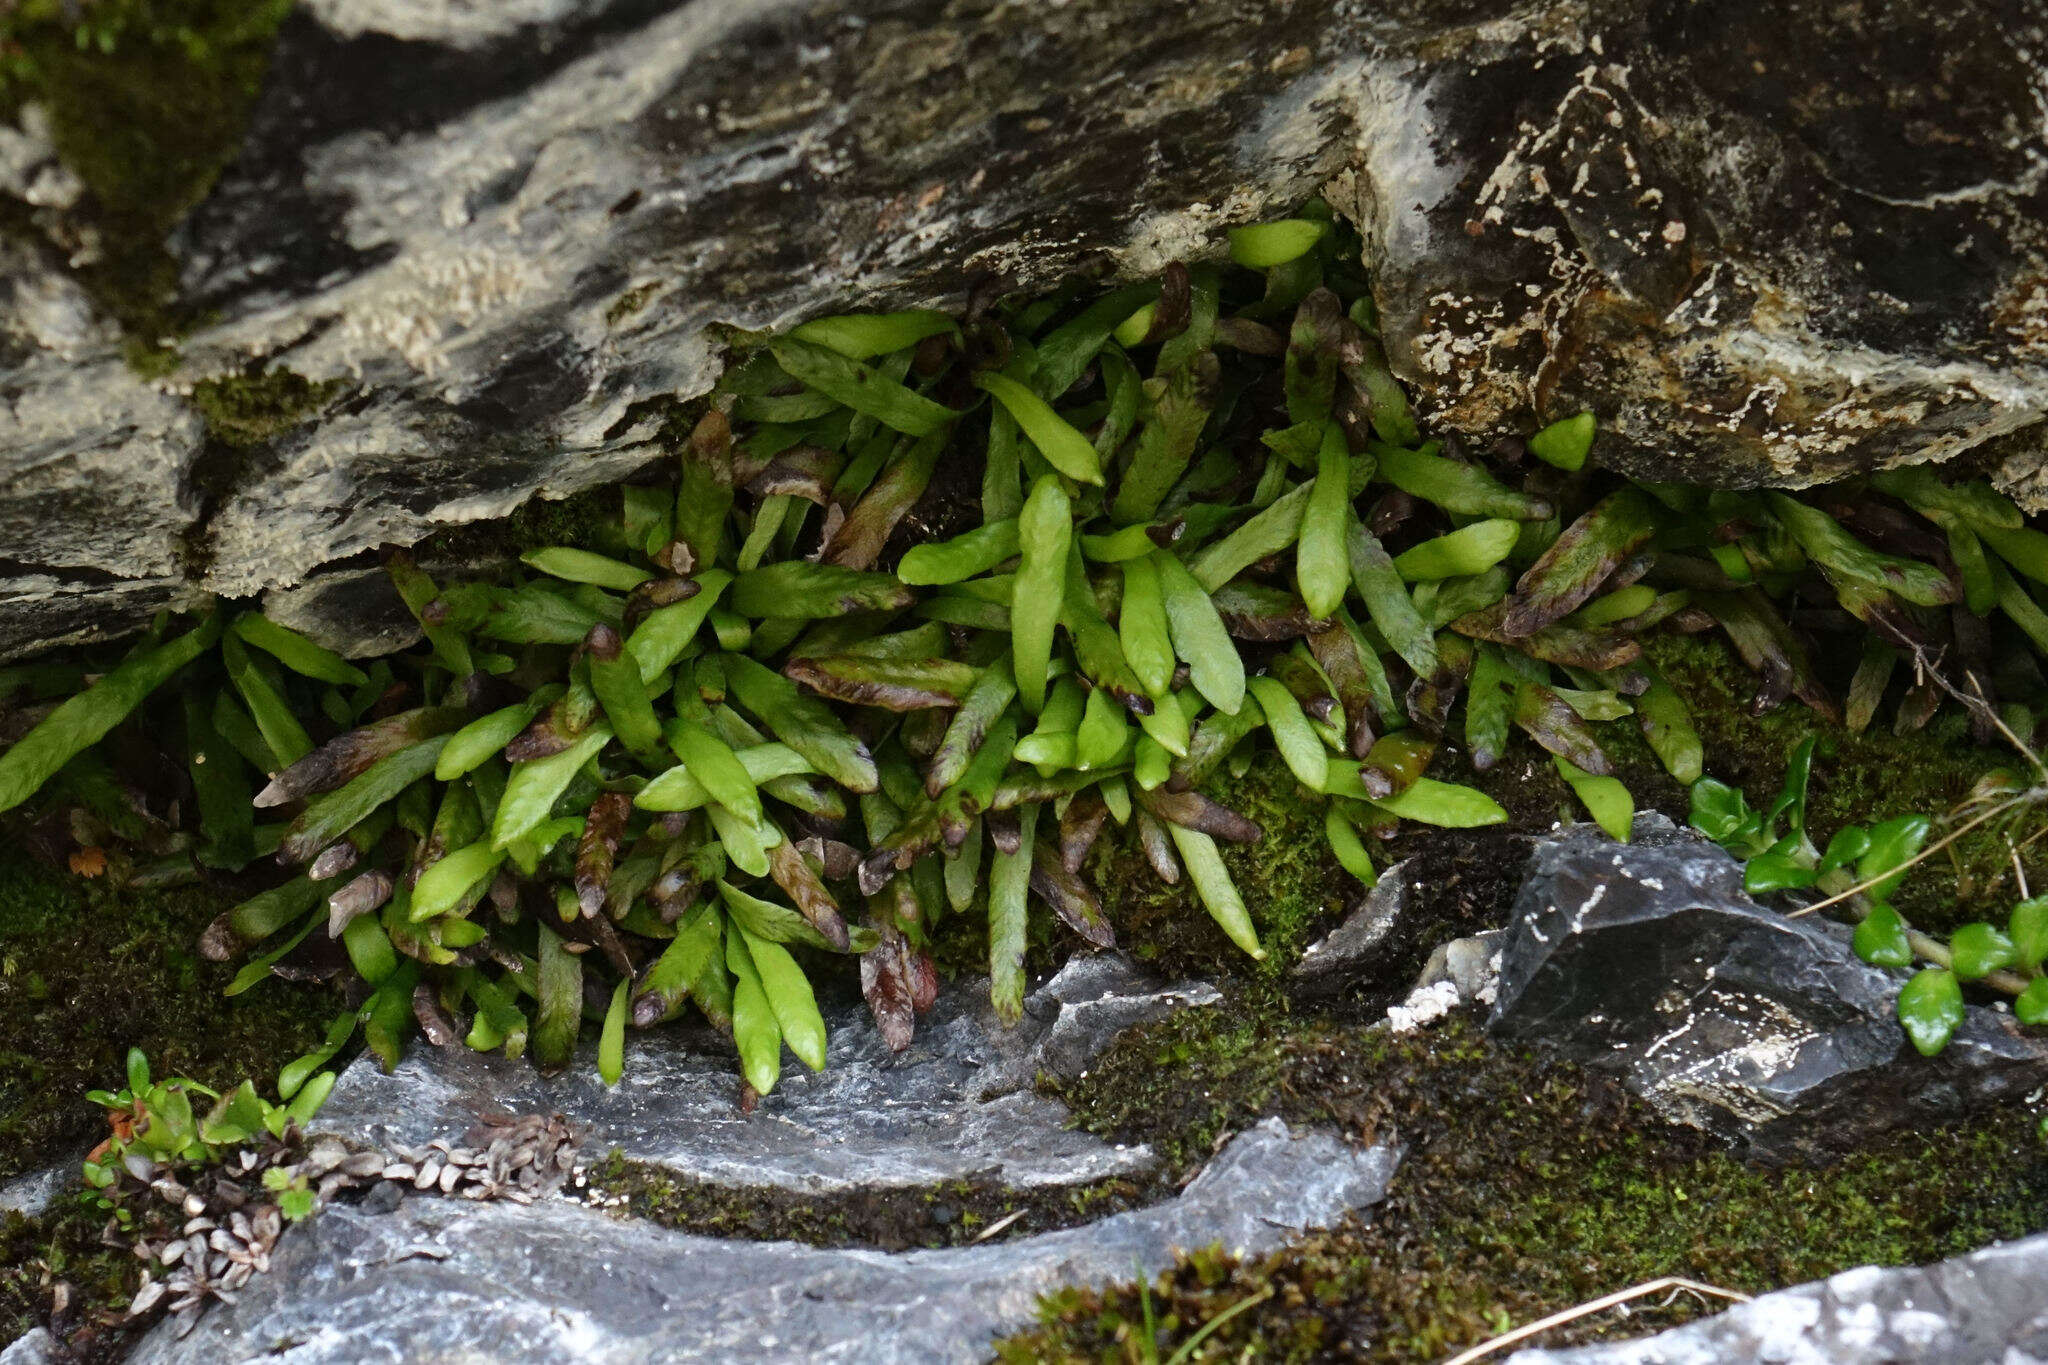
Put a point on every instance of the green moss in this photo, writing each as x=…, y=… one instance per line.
x=247, y=410
x=950, y=1213
x=63, y=1245
x=1527, y=1187
x=87, y=972
x=1289, y=880
x=147, y=102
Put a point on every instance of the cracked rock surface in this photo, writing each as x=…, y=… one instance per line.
x=957, y=1104
x=1764, y=244
x=442, y=1279
x=1648, y=961
x=1980, y=1309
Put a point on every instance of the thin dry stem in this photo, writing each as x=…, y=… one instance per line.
x=1587, y=1309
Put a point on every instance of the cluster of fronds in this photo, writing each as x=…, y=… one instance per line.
x=1154, y=524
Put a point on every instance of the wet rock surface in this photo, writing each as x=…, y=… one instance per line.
x=1767, y=244
x=1980, y=1309
x=1648, y=961
x=423, y=1278
x=957, y=1105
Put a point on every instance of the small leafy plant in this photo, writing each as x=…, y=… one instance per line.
x=155, y=1124
x=1863, y=868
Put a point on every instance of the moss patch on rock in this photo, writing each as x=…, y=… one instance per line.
x=147, y=101
x=951, y=1213
x=1528, y=1186
x=247, y=410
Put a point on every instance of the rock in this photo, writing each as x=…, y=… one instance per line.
x=1980, y=1309
x=1648, y=961
x=1339, y=956
x=33, y=1347
x=31, y=1195
x=447, y=1279
x=1765, y=244
x=957, y=1105
x=500, y=236
x=498, y=239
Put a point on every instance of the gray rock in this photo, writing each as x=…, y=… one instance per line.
x=511, y=231
x=30, y=1195
x=33, y=1347
x=1648, y=961
x=957, y=1104
x=446, y=1280
x=1353, y=945
x=1982, y=1309
x=505, y=229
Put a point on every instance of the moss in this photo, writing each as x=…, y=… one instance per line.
x=147, y=101
x=87, y=972
x=63, y=1245
x=950, y=1213
x=1290, y=882
x=247, y=410
x=1527, y=1187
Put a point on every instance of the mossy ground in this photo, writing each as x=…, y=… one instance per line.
x=1527, y=1187
x=86, y=972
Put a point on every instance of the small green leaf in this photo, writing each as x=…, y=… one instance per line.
x=1261, y=246
x=1881, y=939
x=860, y=336
x=790, y=997
x=754, y=1030
x=1775, y=870
x=2032, y=1006
x=1892, y=845
x=1565, y=443
x=2028, y=929
x=1977, y=950
x=1064, y=447
x=1931, y=1009
x=611, y=1042
x=1347, y=846
x=138, y=1071
x=1719, y=811
x=1605, y=799
x=1850, y=843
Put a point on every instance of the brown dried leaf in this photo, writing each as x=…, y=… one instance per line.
x=1072, y=899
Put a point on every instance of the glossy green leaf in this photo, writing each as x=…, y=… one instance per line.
x=791, y=999
x=1566, y=442
x=1064, y=447
x=1977, y=950
x=1261, y=246
x=1881, y=939
x=1931, y=1009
